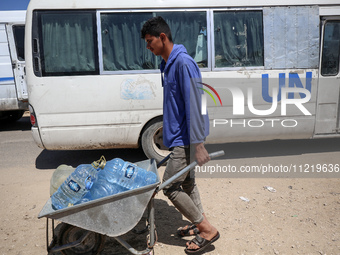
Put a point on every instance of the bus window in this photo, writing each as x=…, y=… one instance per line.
x=19, y=38
x=331, y=49
x=238, y=38
x=123, y=50
x=121, y=44
x=189, y=29
x=68, y=43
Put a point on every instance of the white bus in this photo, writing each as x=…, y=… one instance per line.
x=13, y=89
x=93, y=84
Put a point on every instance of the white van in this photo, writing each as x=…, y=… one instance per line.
x=93, y=84
x=13, y=89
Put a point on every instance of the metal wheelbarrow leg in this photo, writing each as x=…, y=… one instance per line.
x=152, y=233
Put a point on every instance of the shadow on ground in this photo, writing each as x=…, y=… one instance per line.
x=275, y=148
x=52, y=159
x=167, y=220
x=23, y=124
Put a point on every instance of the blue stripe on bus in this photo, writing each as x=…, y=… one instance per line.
x=6, y=79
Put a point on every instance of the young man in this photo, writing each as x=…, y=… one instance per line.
x=183, y=126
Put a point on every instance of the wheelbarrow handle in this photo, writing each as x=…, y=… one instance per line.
x=164, y=160
x=186, y=169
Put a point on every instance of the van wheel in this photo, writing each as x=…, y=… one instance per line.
x=152, y=141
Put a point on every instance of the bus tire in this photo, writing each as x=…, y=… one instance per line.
x=152, y=141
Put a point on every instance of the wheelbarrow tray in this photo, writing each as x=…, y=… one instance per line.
x=113, y=215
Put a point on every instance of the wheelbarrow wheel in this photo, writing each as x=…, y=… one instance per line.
x=92, y=245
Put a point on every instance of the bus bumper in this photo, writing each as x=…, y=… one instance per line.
x=36, y=137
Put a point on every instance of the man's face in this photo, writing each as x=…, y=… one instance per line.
x=154, y=44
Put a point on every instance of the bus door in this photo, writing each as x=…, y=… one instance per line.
x=327, y=114
x=16, y=35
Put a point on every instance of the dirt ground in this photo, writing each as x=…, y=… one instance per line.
x=301, y=217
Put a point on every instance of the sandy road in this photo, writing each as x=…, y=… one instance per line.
x=301, y=217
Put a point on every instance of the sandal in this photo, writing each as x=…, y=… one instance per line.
x=201, y=243
x=185, y=231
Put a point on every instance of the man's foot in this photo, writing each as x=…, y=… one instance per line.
x=188, y=230
x=200, y=243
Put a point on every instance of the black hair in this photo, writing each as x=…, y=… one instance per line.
x=155, y=26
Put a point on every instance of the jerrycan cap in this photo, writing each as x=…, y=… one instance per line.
x=99, y=163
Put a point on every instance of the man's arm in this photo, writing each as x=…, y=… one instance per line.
x=189, y=83
x=195, y=121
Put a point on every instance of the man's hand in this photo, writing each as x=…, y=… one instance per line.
x=201, y=154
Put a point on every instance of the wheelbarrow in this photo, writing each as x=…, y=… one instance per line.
x=87, y=224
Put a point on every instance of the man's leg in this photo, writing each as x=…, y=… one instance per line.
x=189, y=186
x=180, y=199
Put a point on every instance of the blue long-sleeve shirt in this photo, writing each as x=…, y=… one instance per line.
x=183, y=123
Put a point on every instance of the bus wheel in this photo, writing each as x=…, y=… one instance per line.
x=152, y=141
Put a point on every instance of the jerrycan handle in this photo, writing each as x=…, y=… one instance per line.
x=88, y=182
x=99, y=163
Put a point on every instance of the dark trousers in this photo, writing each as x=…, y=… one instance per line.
x=183, y=192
